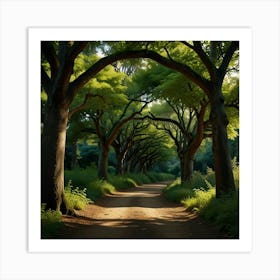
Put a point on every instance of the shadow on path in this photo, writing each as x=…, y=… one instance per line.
x=138, y=213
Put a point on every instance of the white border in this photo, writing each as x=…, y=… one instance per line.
x=262, y=16
x=243, y=244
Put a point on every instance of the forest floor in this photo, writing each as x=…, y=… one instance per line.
x=141, y=212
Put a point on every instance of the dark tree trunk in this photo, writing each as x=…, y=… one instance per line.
x=120, y=164
x=221, y=151
x=52, y=157
x=103, y=162
x=120, y=160
x=187, y=167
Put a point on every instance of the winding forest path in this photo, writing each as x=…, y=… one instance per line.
x=141, y=212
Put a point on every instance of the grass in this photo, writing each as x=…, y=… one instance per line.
x=81, y=177
x=84, y=186
x=76, y=198
x=199, y=195
x=122, y=182
x=139, y=178
x=99, y=188
x=150, y=177
x=96, y=188
x=159, y=177
x=50, y=222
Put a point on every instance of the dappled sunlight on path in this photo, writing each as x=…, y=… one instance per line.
x=141, y=212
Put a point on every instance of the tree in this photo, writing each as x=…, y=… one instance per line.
x=187, y=132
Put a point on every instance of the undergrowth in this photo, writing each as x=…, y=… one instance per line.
x=76, y=198
x=50, y=222
x=199, y=195
x=96, y=188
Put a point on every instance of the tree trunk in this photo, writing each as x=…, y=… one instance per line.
x=221, y=151
x=52, y=157
x=120, y=160
x=103, y=162
x=120, y=164
x=187, y=167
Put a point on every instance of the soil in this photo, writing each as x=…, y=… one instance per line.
x=141, y=212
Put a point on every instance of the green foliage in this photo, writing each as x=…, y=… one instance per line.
x=178, y=192
x=76, y=198
x=200, y=199
x=139, y=178
x=88, y=154
x=199, y=195
x=224, y=212
x=50, y=222
x=99, y=188
x=81, y=177
x=122, y=182
x=87, y=178
x=159, y=176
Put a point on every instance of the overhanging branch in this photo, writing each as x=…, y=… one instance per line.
x=83, y=105
x=79, y=82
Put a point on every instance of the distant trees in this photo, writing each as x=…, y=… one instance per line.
x=126, y=138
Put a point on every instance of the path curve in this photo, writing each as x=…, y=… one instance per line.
x=141, y=212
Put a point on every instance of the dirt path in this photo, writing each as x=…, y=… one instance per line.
x=137, y=213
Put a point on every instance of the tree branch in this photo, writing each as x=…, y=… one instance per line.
x=187, y=44
x=83, y=105
x=229, y=53
x=49, y=53
x=79, y=82
x=205, y=59
x=154, y=118
x=122, y=122
x=168, y=54
x=76, y=48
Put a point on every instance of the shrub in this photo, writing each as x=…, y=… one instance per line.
x=198, y=195
x=81, y=177
x=99, y=188
x=111, y=169
x=122, y=182
x=199, y=199
x=177, y=191
x=76, y=199
x=139, y=178
x=50, y=222
x=224, y=212
x=159, y=176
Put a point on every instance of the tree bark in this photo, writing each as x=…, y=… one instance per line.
x=186, y=167
x=103, y=161
x=221, y=151
x=120, y=163
x=52, y=157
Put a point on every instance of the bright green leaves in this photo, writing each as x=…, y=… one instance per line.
x=108, y=87
x=231, y=94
